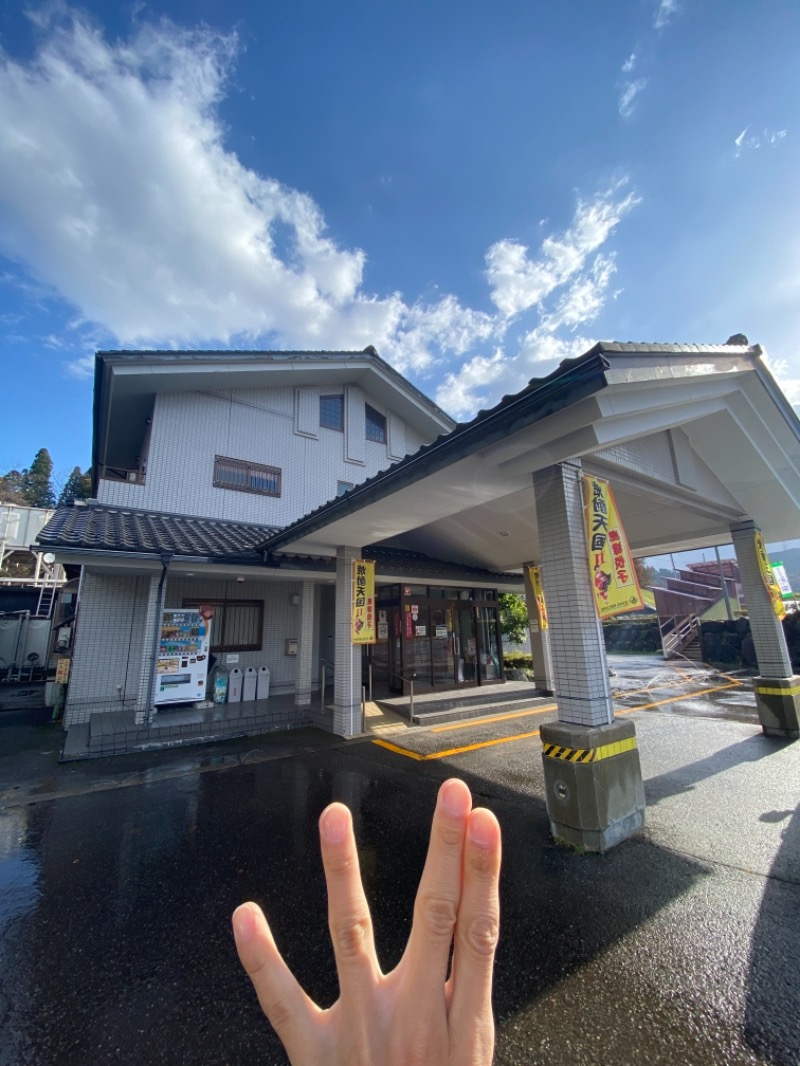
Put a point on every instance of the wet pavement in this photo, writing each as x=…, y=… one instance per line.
x=679, y=946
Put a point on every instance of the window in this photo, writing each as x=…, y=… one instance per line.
x=237, y=625
x=331, y=412
x=376, y=425
x=342, y=487
x=246, y=477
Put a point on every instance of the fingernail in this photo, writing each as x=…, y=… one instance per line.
x=333, y=824
x=482, y=829
x=455, y=798
x=243, y=923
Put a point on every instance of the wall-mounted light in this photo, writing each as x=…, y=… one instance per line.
x=294, y=600
x=240, y=580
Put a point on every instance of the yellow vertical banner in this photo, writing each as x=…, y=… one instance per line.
x=614, y=582
x=768, y=575
x=535, y=576
x=363, y=601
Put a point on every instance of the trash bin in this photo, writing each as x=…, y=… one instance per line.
x=262, y=687
x=249, y=690
x=235, y=685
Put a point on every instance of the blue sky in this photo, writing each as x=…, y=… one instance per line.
x=477, y=190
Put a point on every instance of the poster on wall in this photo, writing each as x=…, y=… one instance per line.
x=363, y=615
x=779, y=570
x=614, y=583
x=768, y=575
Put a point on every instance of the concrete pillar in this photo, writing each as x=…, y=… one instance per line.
x=593, y=780
x=347, y=675
x=145, y=700
x=540, y=641
x=305, y=657
x=777, y=689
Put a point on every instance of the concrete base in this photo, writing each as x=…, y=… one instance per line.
x=593, y=783
x=778, y=705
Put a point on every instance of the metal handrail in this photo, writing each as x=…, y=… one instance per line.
x=395, y=673
x=681, y=633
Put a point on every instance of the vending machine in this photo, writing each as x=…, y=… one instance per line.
x=182, y=657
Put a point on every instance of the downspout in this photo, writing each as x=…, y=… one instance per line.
x=165, y=561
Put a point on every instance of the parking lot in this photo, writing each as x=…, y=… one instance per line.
x=681, y=945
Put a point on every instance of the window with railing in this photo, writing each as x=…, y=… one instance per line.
x=246, y=477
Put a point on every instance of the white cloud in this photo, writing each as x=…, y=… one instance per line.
x=519, y=282
x=664, y=13
x=629, y=63
x=119, y=197
x=754, y=141
x=630, y=90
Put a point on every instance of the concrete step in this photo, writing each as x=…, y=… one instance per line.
x=449, y=700
x=477, y=710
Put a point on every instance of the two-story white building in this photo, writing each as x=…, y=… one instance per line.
x=252, y=483
x=198, y=457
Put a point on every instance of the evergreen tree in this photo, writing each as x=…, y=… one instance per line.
x=11, y=488
x=513, y=617
x=36, y=483
x=78, y=487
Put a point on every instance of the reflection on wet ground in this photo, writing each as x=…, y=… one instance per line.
x=682, y=945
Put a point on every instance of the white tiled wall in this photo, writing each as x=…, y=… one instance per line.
x=765, y=627
x=109, y=648
x=111, y=667
x=260, y=426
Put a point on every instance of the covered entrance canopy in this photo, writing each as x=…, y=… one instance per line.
x=699, y=445
x=692, y=437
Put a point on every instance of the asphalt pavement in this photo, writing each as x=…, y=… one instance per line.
x=682, y=945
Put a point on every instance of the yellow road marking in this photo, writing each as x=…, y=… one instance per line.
x=677, y=699
x=493, y=718
x=453, y=751
x=524, y=736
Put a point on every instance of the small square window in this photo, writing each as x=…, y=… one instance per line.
x=376, y=425
x=342, y=487
x=331, y=412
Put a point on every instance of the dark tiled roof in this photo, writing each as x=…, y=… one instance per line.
x=114, y=529
x=96, y=527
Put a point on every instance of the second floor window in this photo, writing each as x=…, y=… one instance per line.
x=246, y=477
x=331, y=412
x=376, y=425
x=342, y=487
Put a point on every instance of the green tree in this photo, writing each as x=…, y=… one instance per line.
x=78, y=486
x=11, y=488
x=36, y=483
x=513, y=617
x=645, y=573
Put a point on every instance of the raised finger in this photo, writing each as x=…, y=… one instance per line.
x=349, y=918
x=436, y=907
x=477, y=929
x=284, y=1002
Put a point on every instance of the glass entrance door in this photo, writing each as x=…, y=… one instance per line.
x=488, y=645
x=442, y=646
x=465, y=647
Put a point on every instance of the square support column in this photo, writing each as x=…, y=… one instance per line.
x=347, y=675
x=593, y=779
x=777, y=688
x=305, y=665
x=540, y=641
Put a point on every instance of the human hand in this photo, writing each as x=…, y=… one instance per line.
x=416, y=1015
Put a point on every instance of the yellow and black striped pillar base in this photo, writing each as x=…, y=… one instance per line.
x=778, y=705
x=593, y=783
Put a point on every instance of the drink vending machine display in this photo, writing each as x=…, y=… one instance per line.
x=182, y=657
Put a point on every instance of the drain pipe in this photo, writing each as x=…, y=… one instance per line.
x=165, y=561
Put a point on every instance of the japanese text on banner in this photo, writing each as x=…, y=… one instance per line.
x=363, y=629
x=771, y=584
x=614, y=582
x=535, y=575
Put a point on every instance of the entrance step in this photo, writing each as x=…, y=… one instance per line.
x=434, y=708
x=478, y=710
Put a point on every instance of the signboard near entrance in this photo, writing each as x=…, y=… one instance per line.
x=363, y=601
x=616, y=590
